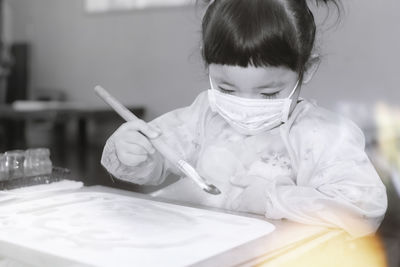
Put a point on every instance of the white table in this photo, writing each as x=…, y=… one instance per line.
x=287, y=241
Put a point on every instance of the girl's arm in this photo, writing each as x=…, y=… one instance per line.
x=336, y=184
x=179, y=130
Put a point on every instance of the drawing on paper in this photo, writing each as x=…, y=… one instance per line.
x=105, y=229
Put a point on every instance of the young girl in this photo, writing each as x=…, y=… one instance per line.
x=268, y=151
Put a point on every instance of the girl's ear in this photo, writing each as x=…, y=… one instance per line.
x=311, y=67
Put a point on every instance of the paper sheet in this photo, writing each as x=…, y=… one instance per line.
x=104, y=229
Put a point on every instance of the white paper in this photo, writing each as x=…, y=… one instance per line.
x=104, y=229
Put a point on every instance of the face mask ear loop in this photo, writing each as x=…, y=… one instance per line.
x=211, y=84
x=294, y=89
x=288, y=103
x=286, y=109
x=211, y=100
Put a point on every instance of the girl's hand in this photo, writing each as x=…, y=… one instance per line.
x=256, y=190
x=132, y=144
x=253, y=199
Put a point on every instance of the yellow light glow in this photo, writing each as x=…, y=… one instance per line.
x=339, y=250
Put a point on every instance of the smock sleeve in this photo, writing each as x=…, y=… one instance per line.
x=179, y=131
x=336, y=184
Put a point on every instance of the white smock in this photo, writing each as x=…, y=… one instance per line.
x=312, y=169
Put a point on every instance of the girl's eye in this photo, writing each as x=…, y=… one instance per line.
x=269, y=95
x=226, y=91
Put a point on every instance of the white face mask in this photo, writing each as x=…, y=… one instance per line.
x=250, y=116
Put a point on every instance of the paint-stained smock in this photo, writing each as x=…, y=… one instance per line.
x=312, y=169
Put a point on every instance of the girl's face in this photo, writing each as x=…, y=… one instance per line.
x=255, y=82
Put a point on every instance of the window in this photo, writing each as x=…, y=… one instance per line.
x=99, y=6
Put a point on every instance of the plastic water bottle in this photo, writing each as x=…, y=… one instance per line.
x=3, y=169
x=37, y=161
x=14, y=164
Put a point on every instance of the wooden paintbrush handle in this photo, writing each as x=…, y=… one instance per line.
x=127, y=115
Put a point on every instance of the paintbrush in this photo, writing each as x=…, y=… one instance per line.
x=158, y=143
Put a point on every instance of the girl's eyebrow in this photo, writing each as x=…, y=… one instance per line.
x=271, y=85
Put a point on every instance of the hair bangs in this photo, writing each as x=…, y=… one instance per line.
x=247, y=33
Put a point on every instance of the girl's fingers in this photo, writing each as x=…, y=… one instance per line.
x=149, y=131
x=134, y=149
x=143, y=127
x=132, y=139
x=131, y=159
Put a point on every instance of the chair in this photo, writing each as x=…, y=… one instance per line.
x=45, y=133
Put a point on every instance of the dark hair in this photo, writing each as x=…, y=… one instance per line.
x=259, y=33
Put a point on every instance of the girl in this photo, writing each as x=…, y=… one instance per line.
x=269, y=151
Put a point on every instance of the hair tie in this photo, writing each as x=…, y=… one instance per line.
x=211, y=2
x=208, y=5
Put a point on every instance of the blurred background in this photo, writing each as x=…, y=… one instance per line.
x=146, y=53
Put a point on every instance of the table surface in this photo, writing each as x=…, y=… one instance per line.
x=50, y=109
x=13, y=119
x=286, y=238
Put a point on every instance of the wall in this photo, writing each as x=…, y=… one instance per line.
x=151, y=57
x=361, y=55
x=145, y=57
